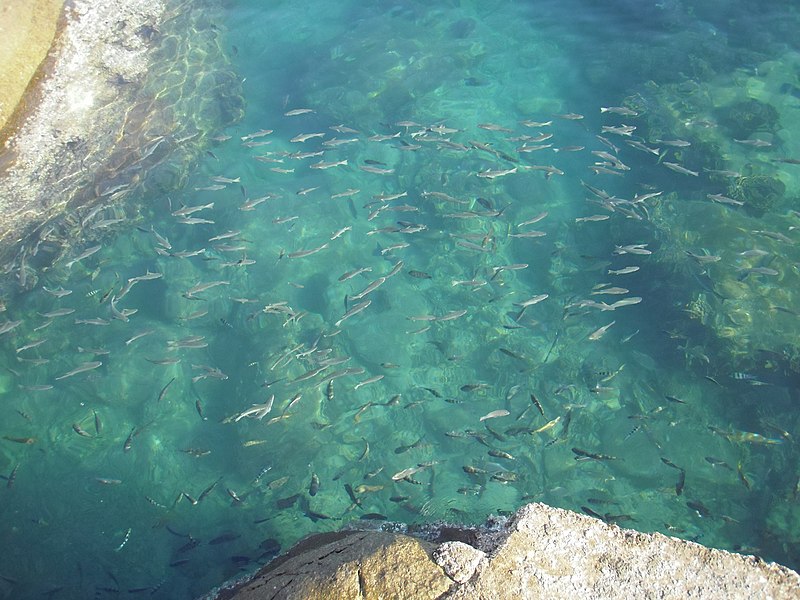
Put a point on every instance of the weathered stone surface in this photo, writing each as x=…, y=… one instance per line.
x=545, y=553
x=553, y=553
x=459, y=560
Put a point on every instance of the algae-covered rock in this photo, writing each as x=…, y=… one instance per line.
x=746, y=117
x=702, y=155
x=760, y=193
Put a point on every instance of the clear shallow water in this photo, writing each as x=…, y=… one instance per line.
x=138, y=474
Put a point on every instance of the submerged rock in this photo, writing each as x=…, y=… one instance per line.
x=759, y=193
x=541, y=552
x=746, y=117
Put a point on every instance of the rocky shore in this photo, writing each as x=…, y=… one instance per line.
x=27, y=30
x=71, y=115
x=126, y=100
x=540, y=552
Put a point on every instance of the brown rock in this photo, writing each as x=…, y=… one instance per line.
x=28, y=28
x=360, y=565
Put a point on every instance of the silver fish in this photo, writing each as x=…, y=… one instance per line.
x=58, y=293
x=623, y=271
x=619, y=110
x=680, y=169
x=60, y=312
x=258, y=411
x=9, y=326
x=354, y=272
x=328, y=165
x=303, y=253
x=495, y=414
x=298, y=111
x=185, y=211
x=95, y=321
x=353, y=311
x=370, y=288
x=85, y=254
x=346, y=194
x=492, y=174
x=625, y=302
x=251, y=204
x=82, y=368
x=194, y=221
x=535, y=219
x=202, y=287
x=376, y=170
x=361, y=384
x=724, y=199
x=303, y=137
x=598, y=333
x=532, y=301
x=31, y=345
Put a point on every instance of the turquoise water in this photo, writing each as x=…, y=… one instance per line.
x=210, y=428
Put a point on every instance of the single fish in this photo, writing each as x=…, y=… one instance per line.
x=619, y=110
x=699, y=508
x=354, y=273
x=501, y=454
x=546, y=426
x=202, y=287
x=126, y=446
x=328, y=165
x=9, y=484
x=623, y=271
x=138, y=336
x=406, y=473
x=680, y=169
x=58, y=293
x=586, y=455
x=77, y=429
x=493, y=174
x=531, y=301
x=598, y=333
x=495, y=414
x=680, y=483
x=85, y=254
x=31, y=345
x=304, y=253
x=164, y=390
x=304, y=137
x=374, y=379
x=298, y=111
x=82, y=368
x=353, y=311
x=9, y=326
x=60, y=312
x=20, y=440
